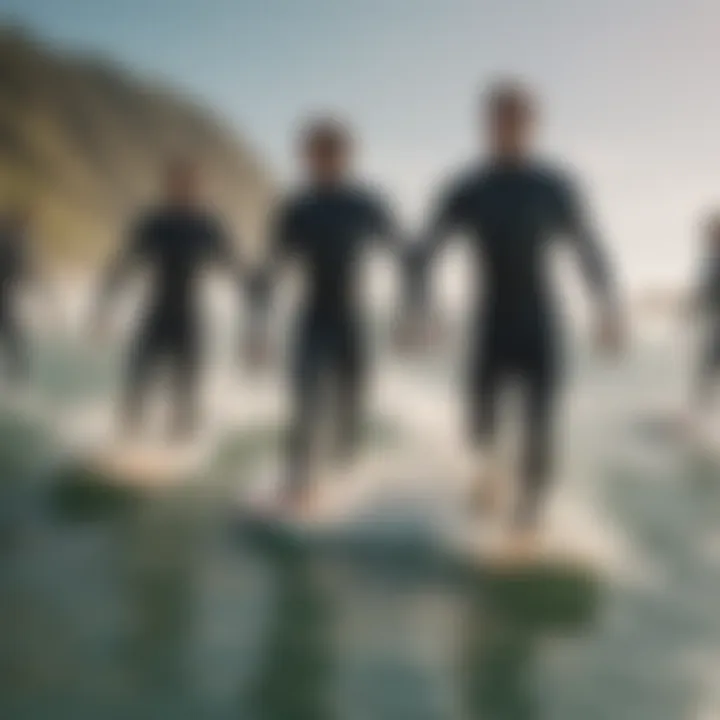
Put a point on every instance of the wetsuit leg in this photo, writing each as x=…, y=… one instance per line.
x=709, y=370
x=143, y=359
x=538, y=379
x=184, y=358
x=308, y=366
x=349, y=378
x=487, y=374
x=14, y=345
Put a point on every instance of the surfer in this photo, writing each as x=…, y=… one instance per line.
x=15, y=271
x=707, y=307
x=176, y=242
x=511, y=206
x=325, y=227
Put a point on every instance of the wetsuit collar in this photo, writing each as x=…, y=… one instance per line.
x=509, y=162
x=329, y=186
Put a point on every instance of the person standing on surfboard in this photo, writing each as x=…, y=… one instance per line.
x=175, y=242
x=512, y=206
x=707, y=307
x=326, y=227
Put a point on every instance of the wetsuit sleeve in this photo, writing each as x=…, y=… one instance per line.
x=282, y=244
x=576, y=225
x=384, y=225
x=449, y=217
x=707, y=296
x=223, y=250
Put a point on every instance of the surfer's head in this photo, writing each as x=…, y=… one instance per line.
x=182, y=180
x=326, y=148
x=509, y=113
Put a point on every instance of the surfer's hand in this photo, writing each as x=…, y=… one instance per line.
x=407, y=336
x=415, y=333
x=256, y=353
x=610, y=333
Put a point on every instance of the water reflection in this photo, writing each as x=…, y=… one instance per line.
x=159, y=561
x=507, y=620
x=347, y=639
x=295, y=676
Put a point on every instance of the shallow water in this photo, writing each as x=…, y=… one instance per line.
x=114, y=606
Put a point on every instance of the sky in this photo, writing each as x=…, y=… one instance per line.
x=626, y=88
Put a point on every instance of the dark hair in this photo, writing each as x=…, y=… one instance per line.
x=326, y=133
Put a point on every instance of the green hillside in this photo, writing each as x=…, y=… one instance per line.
x=81, y=143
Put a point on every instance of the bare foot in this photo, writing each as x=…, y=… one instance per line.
x=523, y=545
x=487, y=492
x=298, y=504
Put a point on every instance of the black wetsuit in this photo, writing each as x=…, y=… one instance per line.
x=512, y=213
x=327, y=231
x=14, y=269
x=709, y=307
x=176, y=244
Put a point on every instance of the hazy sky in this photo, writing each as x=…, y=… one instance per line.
x=629, y=88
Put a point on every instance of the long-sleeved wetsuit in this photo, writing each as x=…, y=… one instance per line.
x=511, y=213
x=14, y=269
x=327, y=231
x=176, y=244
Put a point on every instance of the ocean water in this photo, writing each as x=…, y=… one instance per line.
x=123, y=605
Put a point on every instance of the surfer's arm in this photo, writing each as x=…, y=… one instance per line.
x=262, y=282
x=446, y=219
x=704, y=301
x=417, y=327
x=279, y=246
x=120, y=267
x=224, y=249
x=577, y=226
x=384, y=226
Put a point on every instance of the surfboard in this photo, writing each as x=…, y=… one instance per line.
x=375, y=507
x=88, y=445
x=146, y=465
x=575, y=543
x=490, y=548
x=547, y=584
x=417, y=509
x=341, y=498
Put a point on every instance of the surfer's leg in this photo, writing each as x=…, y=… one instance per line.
x=486, y=379
x=349, y=393
x=707, y=375
x=141, y=362
x=306, y=378
x=16, y=352
x=540, y=390
x=185, y=366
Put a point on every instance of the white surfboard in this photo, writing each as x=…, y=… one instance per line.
x=146, y=465
x=385, y=499
x=408, y=502
x=491, y=547
x=88, y=442
x=573, y=537
x=343, y=500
